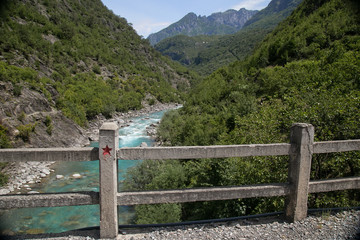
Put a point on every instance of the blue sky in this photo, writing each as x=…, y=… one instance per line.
x=150, y=16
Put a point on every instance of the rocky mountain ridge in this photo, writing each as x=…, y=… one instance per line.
x=205, y=54
x=219, y=23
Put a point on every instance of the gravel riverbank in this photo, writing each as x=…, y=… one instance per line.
x=340, y=225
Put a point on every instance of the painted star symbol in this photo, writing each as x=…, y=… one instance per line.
x=106, y=150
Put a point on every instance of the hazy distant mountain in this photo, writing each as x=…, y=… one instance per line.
x=219, y=23
x=205, y=54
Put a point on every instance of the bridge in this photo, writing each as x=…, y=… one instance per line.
x=296, y=190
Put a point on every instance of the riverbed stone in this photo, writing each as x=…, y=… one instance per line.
x=4, y=191
x=33, y=192
x=76, y=175
x=143, y=144
x=45, y=171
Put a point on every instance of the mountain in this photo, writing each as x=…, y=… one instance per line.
x=275, y=12
x=205, y=56
x=307, y=70
x=216, y=24
x=65, y=62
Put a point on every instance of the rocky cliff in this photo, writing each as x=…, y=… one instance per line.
x=219, y=23
x=32, y=121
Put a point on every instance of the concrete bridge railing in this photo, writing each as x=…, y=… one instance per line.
x=300, y=151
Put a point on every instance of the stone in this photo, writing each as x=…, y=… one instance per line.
x=76, y=175
x=59, y=176
x=33, y=192
x=4, y=191
x=45, y=171
x=30, y=178
x=143, y=144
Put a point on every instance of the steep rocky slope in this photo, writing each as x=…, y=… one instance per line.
x=219, y=23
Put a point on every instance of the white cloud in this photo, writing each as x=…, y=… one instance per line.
x=147, y=27
x=252, y=4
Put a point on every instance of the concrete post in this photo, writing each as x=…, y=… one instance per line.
x=301, y=139
x=108, y=145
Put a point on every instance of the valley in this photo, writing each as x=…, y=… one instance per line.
x=66, y=66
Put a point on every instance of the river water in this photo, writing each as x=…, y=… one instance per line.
x=60, y=219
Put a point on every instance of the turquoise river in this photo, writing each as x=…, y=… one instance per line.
x=60, y=219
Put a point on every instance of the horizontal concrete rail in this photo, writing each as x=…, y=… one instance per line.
x=49, y=154
x=202, y=194
x=334, y=184
x=48, y=200
x=337, y=146
x=217, y=151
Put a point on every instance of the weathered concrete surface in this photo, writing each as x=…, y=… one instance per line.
x=49, y=154
x=190, y=152
x=337, y=146
x=301, y=139
x=48, y=200
x=202, y=194
x=108, y=144
x=334, y=184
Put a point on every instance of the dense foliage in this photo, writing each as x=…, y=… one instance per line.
x=185, y=49
x=84, y=57
x=306, y=70
x=4, y=143
x=204, y=55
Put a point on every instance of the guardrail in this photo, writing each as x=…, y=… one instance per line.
x=300, y=151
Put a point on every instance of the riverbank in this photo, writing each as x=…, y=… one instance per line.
x=24, y=175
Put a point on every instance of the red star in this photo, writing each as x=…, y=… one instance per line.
x=106, y=150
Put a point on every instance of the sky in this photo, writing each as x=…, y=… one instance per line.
x=151, y=16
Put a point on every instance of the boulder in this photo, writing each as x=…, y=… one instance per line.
x=143, y=144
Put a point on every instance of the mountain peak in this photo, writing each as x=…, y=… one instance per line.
x=218, y=23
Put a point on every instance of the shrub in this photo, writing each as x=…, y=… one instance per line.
x=3, y=179
x=151, y=101
x=21, y=117
x=17, y=90
x=25, y=130
x=48, y=124
x=4, y=139
x=96, y=69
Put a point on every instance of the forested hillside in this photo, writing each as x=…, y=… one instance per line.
x=306, y=70
x=206, y=54
x=83, y=58
x=64, y=62
x=69, y=42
